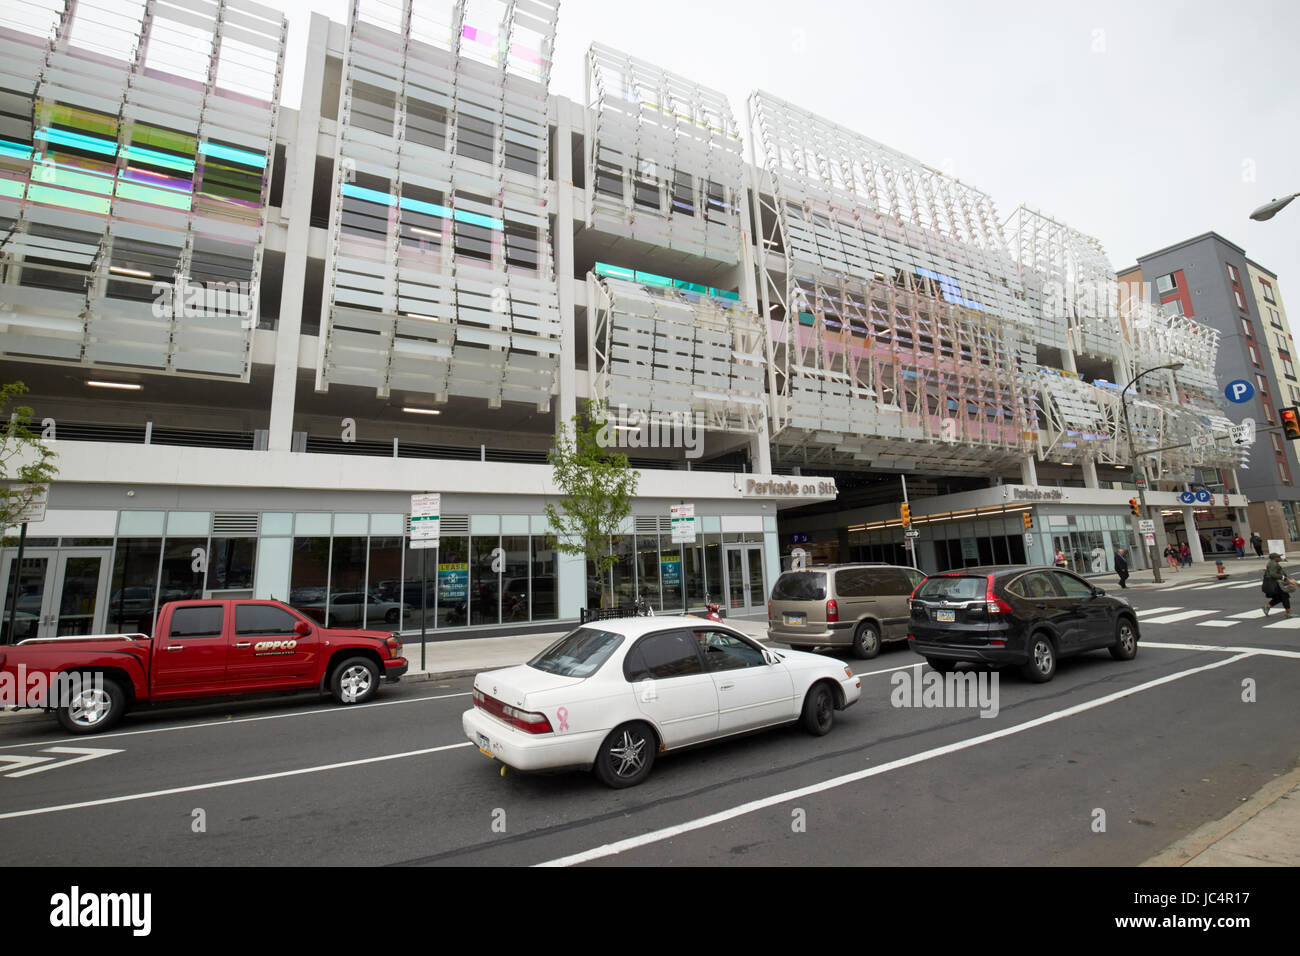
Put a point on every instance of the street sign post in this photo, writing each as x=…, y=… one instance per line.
x=1243, y=434
x=425, y=527
x=1147, y=525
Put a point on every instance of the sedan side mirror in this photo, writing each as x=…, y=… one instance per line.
x=1098, y=592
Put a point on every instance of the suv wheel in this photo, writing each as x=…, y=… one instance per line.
x=866, y=641
x=1041, y=666
x=1125, y=647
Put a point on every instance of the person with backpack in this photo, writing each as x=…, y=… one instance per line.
x=1121, y=567
x=1257, y=543
x=1277, y=586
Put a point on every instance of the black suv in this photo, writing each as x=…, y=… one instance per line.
x=1018, y=615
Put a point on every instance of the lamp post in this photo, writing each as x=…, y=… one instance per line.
x=1272, y=208
x=1132, y=454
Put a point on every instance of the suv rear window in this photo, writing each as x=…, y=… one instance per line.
x=951, y=587
x=800, y=586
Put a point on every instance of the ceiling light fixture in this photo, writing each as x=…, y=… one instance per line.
x=422, y=411
x=129, y=386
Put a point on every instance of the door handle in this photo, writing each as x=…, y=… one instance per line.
x=245, y=644
x=175, y=647
x=728, y=686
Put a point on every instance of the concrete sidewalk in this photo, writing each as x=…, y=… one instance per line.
x=1237, y=569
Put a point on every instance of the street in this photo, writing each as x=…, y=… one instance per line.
x=1107, y=764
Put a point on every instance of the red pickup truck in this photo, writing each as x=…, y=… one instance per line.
x=199, y=649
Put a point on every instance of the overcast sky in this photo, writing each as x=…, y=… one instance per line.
x=1139, y=123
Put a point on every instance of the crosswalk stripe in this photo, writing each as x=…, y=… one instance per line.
x=1158, y=610
x=1248, y=584
x=1215, y=623
x=1246, y=614
x=1286, y=622
x=1174, y=618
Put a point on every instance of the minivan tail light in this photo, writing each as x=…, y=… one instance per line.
x=992, y=603
x=832, y=611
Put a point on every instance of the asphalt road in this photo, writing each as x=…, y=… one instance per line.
x=1153, y=748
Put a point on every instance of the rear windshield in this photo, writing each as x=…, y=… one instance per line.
x=943, y=587
x=800, y=586
x=578, y=653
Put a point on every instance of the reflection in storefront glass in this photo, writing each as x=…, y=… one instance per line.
x=135, y=579
x=543, y=578
x=453, y=581
x=484, y=583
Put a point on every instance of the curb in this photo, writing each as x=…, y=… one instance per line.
x=1198, y=841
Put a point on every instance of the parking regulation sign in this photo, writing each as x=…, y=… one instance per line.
x=1238, y=391
x=426, y=520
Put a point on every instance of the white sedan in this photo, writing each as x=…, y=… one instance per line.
x=611, y=695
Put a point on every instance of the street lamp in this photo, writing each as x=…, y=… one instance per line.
x=1272, y=208
x=1132, y=454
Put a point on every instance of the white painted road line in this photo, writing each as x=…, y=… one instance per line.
x=127, y=798
x=1224, y=648
x=1216, y=623
x=1286, y=623
x=1180, y=616
x=632, y=843
x=335, y=709
x=1248, y=614
x=1158, y=610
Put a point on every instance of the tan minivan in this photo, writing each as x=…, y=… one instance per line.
x=858, y=606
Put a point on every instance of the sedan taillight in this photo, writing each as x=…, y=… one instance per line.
x=527, y=721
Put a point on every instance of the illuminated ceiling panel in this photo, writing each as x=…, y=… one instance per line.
x=134, y=162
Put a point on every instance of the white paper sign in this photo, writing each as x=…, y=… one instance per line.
x=682, y=518
x=426, y=520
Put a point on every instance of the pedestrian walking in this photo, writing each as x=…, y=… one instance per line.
x=1185, y=553
x=1060, y=559
x=1121, y=567
x=1257, y=543
x=1171, y=558
x=1239, y=543
x=1277, y=587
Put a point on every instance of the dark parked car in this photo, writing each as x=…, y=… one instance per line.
x=1018, y=615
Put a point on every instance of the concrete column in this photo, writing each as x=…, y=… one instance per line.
x=299, y=173
x=1028, y=471
x=1193, y=536
x=1089, y=473
x=760, y=449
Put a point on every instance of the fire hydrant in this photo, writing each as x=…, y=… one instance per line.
x=1218, y=567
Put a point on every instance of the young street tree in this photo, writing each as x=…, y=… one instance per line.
x=598, y=488
x=24, y=454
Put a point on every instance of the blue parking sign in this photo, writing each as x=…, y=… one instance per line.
x=1202, y=495
x=1239, y=391
x=1187, y=498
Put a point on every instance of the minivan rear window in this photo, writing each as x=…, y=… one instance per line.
x=952, y=587
x=800, y=586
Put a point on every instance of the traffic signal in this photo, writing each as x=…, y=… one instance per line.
x=905, y=512
x=1029, y=521
x=1133, y=507
x=1291, y=422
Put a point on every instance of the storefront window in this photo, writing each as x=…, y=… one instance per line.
x=309, y=577
x=347, y=606
x=453, y=581
x=543, y=578
x=624, y=574
x=484, y=583
x=693, y=574
x=384, y=584
x=230, y=563
x=713, y=568
x=514, y=579
x=647, y=570
x=135, y=582
x=420, y=586
x=671, y=569
x=180, y=579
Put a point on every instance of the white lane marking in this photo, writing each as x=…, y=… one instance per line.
x=1285, y=624
x=49, y=763
x=1248, y=584
x=335, y=709
x=1223, y=648
x=1180, y=616
x=1159, y=610
x=667, y=833
x=1216, y=623
x=1248, y=614
x=216, y=784
x=888, y=670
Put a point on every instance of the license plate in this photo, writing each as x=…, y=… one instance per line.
x=796, y=618
x=483, y=745
x=945, y=617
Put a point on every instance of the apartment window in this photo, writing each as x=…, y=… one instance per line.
x=1246, y=328
x=1282, y=472
x=1295, y=394
x=1277, y=443
x=1275, y=319
x=1268, y=411
x=1268, y=291
x=1262, y=383
x=1281, y=343
x=1166, y=283
x=1173, y=308
x=1234, y=275
x=1287, y=368
x=1254, y=356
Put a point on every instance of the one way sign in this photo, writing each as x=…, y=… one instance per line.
x=1243, y=434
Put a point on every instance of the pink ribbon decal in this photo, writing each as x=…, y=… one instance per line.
x=563, y=714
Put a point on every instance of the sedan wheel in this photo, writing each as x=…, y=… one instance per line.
x=626, y=756
x=1041, y=666
x=1125, y=647
x=818, y=711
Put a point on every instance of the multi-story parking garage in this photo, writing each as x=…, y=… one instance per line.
x=251, y=333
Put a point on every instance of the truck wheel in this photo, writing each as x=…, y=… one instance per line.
x=355, y=681
x=95, y=706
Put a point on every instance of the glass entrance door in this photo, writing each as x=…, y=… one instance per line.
x=59, y=593
x=746, y=588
